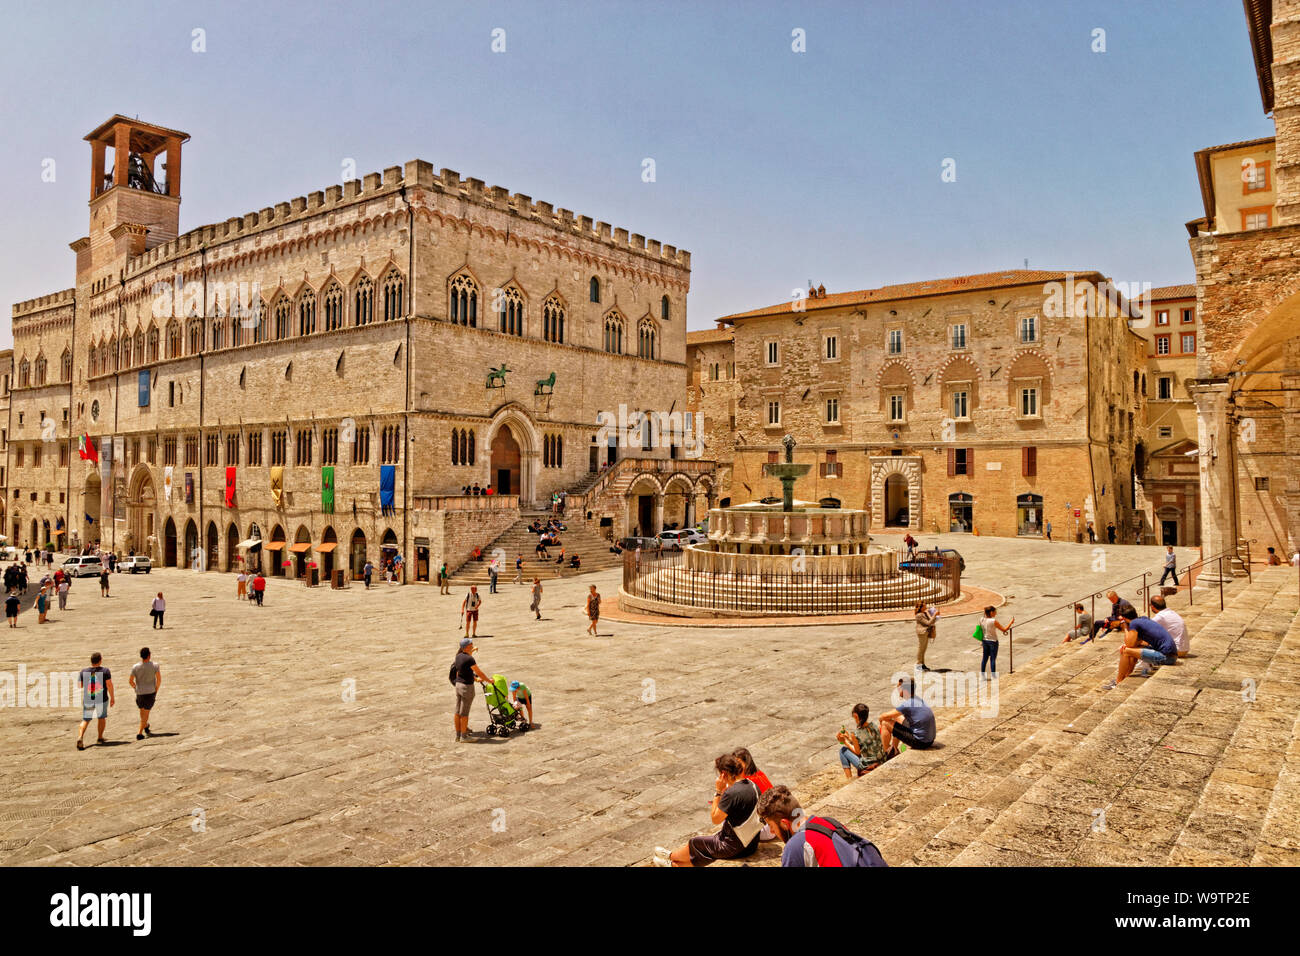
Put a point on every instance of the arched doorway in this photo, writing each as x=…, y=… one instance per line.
x=90, y=509
x=328, y=542
x=277, y=552
x=214, y=548
x=357, y=553
x=255, y=559
x=388, y=548
x=301, y=551
x=645, y=506
x=507, y=462
x=232, y=547
x=45, y=535
x=677, y=502
x=140, y=515
x=36, y=533
x=193, y=556
x=897, y=512
x=169, y=544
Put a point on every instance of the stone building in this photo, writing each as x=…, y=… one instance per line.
x=6, y=377
x=1166, y=455
x=315, y=375
x=711, y=397
x=989, y=403
x=1247, y=389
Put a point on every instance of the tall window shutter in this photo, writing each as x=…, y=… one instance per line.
x=952, y=462
x=1031, y=461
x=970, y=461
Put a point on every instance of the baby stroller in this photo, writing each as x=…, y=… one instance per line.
x=505, y=717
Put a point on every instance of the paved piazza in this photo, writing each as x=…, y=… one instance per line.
x=263, y=762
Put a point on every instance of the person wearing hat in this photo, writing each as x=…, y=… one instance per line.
x=521, y=696
x=464, y=674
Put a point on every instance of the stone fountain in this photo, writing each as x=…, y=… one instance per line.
x=787, y=472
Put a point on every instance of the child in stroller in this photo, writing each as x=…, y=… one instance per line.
x=504, y=717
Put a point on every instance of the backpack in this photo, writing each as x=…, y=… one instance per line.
x=452, y=675
x=852, y=849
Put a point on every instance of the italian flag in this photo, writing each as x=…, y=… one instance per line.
x=86, y=449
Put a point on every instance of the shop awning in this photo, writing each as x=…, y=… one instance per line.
x=250, y=543
x=325, y=547
x=298, y=547
x=274, y=545
x=59, y=531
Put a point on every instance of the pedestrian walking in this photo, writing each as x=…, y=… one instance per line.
x=1110, y=533
x=241, y=586
x=559, y=564
x=103, y=582
x=492, y=577
x=96, y=683
x=1048, y=528
x=1092, y=534
x=519, y=569
x=469, y=610
x=159, y=608
x=42, y=605
x=12, y=603
x=64, y=584
x=366, y=573
x=1171, y=565
x=259, y=588
x=536, y=606
x=927, y=616
x=593, y=609
x=444, y=579
x=146, y=681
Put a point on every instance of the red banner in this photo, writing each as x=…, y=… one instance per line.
x=230, y=486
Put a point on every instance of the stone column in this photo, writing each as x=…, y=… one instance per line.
x=1218, y=488
x=659, y=514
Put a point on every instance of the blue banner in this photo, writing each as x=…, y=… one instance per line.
x=387, y=482
x=143, y=401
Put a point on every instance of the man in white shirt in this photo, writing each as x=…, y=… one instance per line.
x=1172, y=622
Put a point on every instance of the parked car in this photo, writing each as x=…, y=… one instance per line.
x=679, y=539
x=932, y=557
x=135, y=563
x=645, y=544
x=83, y=566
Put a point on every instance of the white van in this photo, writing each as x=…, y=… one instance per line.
x=79, y=566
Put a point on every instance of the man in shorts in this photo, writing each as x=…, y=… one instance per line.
x=465, y=674
x=469, y=607
x=911, y=723
x=1144, y=640
x=96, y=683
x=146, y=679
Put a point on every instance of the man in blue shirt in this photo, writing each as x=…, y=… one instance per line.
x=912, y=723
x=1144, y=640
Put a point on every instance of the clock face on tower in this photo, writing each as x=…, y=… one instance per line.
x=94, y=410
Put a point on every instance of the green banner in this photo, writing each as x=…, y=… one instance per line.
x=327, y=489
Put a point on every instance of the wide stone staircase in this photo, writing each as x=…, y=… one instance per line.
x=579, y=538
x=1195, y=765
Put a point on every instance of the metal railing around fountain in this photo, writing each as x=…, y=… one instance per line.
x=664, y=577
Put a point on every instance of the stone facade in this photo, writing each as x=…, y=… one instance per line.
x=711, y=396
x=353, y=327
x=988, y=403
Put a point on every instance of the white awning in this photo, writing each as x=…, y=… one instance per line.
x=251, y=542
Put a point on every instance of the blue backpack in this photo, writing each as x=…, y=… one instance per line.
x=852, y=849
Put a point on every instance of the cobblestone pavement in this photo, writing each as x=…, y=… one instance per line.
x=263, y=761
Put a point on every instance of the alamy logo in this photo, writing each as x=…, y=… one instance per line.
x=39, y=689
x=74, y=909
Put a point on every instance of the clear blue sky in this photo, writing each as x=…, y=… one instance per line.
x=773, y=167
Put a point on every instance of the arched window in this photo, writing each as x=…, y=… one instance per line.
x=553, y=451
x=282, y=317
x=112, y=356
x=237, y=330
x=307, y=312
x=645, y=340
x=173, y=339
x=196, y=337
x=593, y=289
x=153, y=343
x=553, y=320
x=103, y=358
x=392, y=294
x=614, y=333
x=126, y=351
x=218, y=334
x=455, y=446
x=391, y=444
x=258, y=320
x=464, y=301
x=333, y=300
x=469, y=447
x=40, y=370
x=663, y=309
x=462, y=446
x=92, y=366
x=139, y=347
x=65, y=366
x=512, y=311
x=365, y=301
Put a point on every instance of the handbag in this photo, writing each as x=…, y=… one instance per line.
x=979, y=631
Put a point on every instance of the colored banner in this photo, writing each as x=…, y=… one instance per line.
x=86, y=449
x=230, y=486
x=189, y=487
x=277, y=483
x=387, y=483
x=167, y=483
x=142, y=399
x=105, y=485
x=327, y=489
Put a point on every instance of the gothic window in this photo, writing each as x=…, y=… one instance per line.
x=333, y=301
x=553, y=451
x=40, y=370
x=645, y=340
x=279, y=447
x=593, y=289
x=196, y=337
x=553, y=320
x=663, y=309
x=464, y=301
x=302, y=454
x=153, y=343
x=307, y=313
x=361, y=446
x=392, y=295
x=365, y=310
x=283, y=317
x=173, y=339
x=218, y=334
x=65, y=366
x=614, y=333
x=512, y=311
x=139, y=347
x=126, y=351
x=259, y=321
x=391, y=444
x=237, y=330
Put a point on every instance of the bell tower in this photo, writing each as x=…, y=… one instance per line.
x=135, y=205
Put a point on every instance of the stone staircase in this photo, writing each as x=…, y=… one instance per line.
x=1195, y=765
x=580, y=538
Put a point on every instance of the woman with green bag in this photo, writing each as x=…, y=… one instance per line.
x=987, y=632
